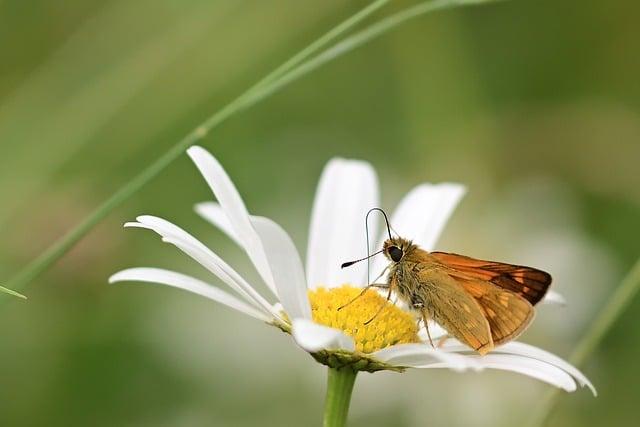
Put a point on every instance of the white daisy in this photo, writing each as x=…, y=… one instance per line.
x=306, y=304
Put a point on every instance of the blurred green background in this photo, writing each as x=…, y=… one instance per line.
x=534, y=105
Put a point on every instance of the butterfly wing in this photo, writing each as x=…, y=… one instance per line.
x=530, y=283
x=451, y=306
x=508, y=313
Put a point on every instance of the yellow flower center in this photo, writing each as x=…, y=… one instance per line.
x=390, y=325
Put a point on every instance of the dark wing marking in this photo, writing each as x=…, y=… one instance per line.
x=530, y=283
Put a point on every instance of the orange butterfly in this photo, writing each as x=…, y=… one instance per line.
x=481, y=303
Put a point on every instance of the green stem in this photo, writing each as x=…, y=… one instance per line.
x=605, y=320
x=11, y=292
x=616, y=305
x=331, y=35
x=339, y=387
x=360, y=38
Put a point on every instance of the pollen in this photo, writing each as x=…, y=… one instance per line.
x=390, y=324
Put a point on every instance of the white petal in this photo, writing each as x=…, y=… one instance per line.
x=164, y=228
x=530, y=367
x=553, y=297
x=422, y=214
x=417, y=355
x=313, y=337
x=217, y=266
x=346, y=192
x=286, y=267
x=214, y=213
x=425, y=210
x=234, y=208
x=518, y=348
x=191, y=284
x=522, y=349
x=191, y=246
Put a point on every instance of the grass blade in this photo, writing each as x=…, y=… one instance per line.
x=10, y=292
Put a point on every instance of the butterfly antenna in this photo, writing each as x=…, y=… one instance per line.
x=386, y=220
x=366, y=226
x=350, y=263
x=368, y=257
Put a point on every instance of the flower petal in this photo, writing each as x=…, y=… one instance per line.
x=234, y=208
x=214, y=214
x=286, y=267
x=346, y=192
x=191, y=284
x=422, y=214
x=517, y=348
x=313, y=337
x=553, y=297
x=417, y=355
x=424, y=211
x=217, y=266
x=191, y=246
x=522, y=349
x=527, y=366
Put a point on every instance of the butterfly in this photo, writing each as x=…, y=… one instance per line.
x=480, y=303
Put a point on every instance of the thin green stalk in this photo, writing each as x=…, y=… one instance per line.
x=10, y=292
x=339, y=387
x=619, y=301
x=318, y=44
x=283, y=75
x=360, y=38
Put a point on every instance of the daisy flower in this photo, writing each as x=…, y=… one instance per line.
x=304, y=302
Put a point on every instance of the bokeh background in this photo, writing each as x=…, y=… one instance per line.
x=533, y=104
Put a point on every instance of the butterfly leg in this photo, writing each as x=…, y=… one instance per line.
x=381, y=274
x=442, y=340
x=425, y=320
x=365, y=289
x=383, y=304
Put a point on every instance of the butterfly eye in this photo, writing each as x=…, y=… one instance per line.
x=395, y=253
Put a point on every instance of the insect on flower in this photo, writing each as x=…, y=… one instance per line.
x=303, y=300
x=480, y=303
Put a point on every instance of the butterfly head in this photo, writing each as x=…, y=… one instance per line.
x=395, y=248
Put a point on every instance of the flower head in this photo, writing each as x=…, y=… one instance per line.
x=371, y=321
x=321, y=306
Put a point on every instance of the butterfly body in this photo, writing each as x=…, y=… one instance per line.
x=480, y=303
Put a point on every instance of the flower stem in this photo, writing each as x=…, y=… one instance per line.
x=340, y=383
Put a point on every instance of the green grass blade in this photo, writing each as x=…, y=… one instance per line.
x=319, y=43
x=273, y=82
x=360, y=38
x=616, y=305
x=10, y=292
x=606, y=319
